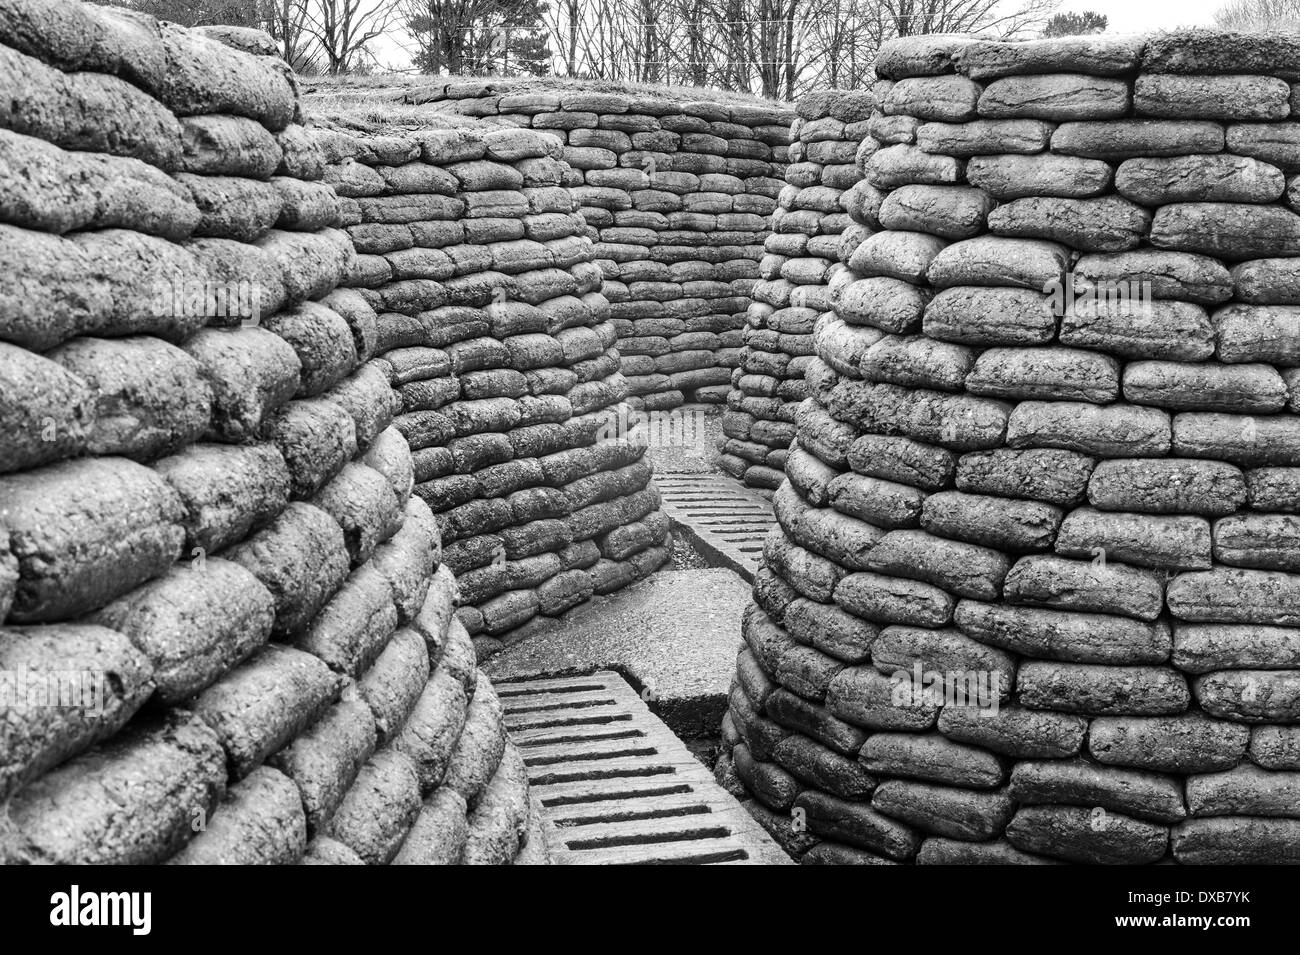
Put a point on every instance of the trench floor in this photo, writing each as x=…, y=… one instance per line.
x=673, y=636
x=616, y=787
x=616, y=707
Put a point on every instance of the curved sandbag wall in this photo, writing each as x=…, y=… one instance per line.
x=675, y=191
x=812, y=235
x=1036, y=587
x=210, y=555
x=491, y=326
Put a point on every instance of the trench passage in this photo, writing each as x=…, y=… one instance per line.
x=676, y=633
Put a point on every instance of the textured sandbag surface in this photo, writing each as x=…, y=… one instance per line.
x=823, y=206
x=494, y=333
x=1052, y=380
x=675, y=188
x=226, y=632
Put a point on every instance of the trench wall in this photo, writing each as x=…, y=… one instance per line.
x=812, y=235
x=493, y=330
x=1089, y=503
x=675, y=191
x=207, y=524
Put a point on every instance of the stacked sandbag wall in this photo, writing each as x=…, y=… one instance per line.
x=226, y=634
x=494, y=333
x=812, y=235
x=1035, y=594
x=675, y=190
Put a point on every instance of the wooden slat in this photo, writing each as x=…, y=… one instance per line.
x=724, y=519
x=615, y=786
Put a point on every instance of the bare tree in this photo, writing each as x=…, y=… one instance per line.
x=775, y=48
x=1259, y=15
x=988, y=17
x=562, y=19
x=842, y=47
x=286, y=22
x=343, y=28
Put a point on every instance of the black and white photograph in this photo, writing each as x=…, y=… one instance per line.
x=651, y=432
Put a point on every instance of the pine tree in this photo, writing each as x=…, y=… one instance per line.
x=482, y=37
x=1075, y=24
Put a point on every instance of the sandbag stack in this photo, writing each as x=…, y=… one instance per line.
x=493, y=331
x=811, y=235
x=209, y=548
x=675, y=191
x=1036, y=587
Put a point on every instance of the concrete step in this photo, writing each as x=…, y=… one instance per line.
x=616, y=787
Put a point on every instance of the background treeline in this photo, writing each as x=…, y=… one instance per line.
x=775, y=48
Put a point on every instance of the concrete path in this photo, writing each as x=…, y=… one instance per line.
x=674, y=636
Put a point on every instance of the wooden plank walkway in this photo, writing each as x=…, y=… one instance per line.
x=616, y=787
x=725, y=519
